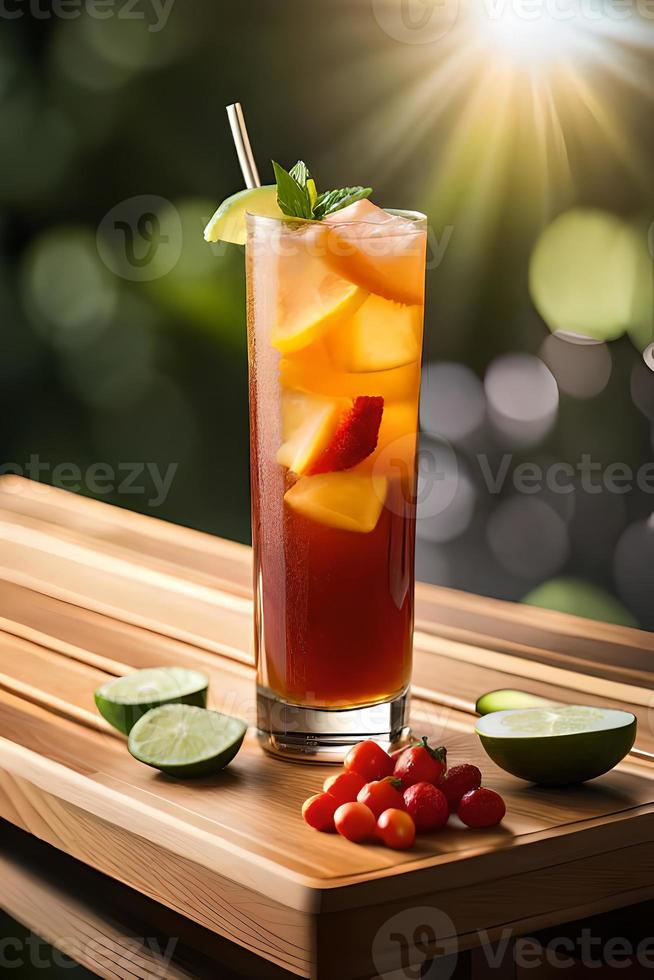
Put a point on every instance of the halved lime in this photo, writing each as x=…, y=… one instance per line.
x=507, y=698
x=186, y=742
x=124, y=700
x=228, y=223
x=557, y=745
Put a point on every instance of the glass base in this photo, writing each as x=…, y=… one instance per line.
x=326, y=735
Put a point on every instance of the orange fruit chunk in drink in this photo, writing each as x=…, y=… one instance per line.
x=308, y=422
x=312, y=299
x=308, y=310
x=382, y=253
x=380, y=336
x=312, y=370
x=348, y=501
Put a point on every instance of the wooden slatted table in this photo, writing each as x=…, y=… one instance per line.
x=88, y=592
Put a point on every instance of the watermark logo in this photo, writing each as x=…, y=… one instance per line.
x=421, y=944
x=140, y=238
x=404, y=477
x=416, y=21
x=408, y=942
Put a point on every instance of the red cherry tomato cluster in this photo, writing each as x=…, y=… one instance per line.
x=393, y=797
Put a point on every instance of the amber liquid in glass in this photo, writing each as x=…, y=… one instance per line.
x=335, y=319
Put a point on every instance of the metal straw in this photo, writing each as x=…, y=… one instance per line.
x=243, y=147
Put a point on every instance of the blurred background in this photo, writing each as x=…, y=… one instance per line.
x=526, y=139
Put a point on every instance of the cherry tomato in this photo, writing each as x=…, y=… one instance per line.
x=355, y=822
x=427, y=805
x=421, y=764
x=397, y=829
x=458, y=781
x=369, y=760
x=318, y=812
x=382, y=794
x=344, y=786
x=481, y=808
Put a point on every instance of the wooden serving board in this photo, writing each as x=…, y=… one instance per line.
x=88, y=592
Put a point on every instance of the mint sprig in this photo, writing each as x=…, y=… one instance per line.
x=297, y=198
x=293, y=195
x=300, y=173
x=332, y=201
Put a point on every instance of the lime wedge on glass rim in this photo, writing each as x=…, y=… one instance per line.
x=228, y=223
x=123, y=700
x=185, y=741
x=557, y=745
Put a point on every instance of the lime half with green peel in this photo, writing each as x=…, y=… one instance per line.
x=228, y=223
x=507, y=698
x=185, y=741
x=124, y=700
x=557, y=745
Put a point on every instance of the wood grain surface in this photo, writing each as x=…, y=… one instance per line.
x=112, y=930
x=88, y=592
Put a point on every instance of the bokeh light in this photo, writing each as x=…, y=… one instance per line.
x=452, y=402
x=595, y=526
x=67, y=291
x=446, y=495
x=580, y=370
x=528, y=537
x=431, y=563
x=584, y=274
x=634, y=561
x=522, y=398
x=205, y=286
x=579, y=598
x=121, y=363
x=74, y=58
x=134, y=44
x=641, y=326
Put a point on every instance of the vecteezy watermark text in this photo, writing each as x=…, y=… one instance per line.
x=428, y=21
x=566, y=11
x=565, y=952
x=154, y=12
x=421, y=942
x=100, y=479
x=564, y=478
x=31, y=951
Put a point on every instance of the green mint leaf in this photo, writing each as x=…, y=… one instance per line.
x=332, y=201
x=300, y=173
x=293, y=198
x=297, y=196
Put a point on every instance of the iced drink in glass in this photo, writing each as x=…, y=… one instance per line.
x=335, y=323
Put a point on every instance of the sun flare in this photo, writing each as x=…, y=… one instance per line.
x=510, y=108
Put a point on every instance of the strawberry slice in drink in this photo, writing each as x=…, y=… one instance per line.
x=354, y=438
